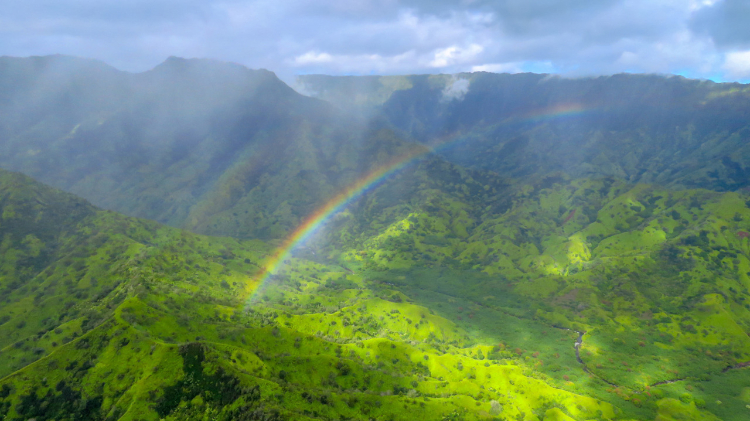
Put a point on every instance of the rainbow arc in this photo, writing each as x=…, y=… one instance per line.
x=371, y=180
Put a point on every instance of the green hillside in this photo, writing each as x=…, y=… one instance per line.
x=125, y=319
x=131, y=320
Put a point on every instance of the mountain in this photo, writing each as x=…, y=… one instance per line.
x=666, y=130
x=451, y=247
x=213, y=147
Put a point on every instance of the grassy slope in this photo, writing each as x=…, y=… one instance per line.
x=458, y=298
x=161, y=327
x=657, y=279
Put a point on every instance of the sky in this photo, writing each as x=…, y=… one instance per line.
x=695, y=38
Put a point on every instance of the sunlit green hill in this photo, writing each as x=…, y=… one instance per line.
x=655, y=278
x=126, y=319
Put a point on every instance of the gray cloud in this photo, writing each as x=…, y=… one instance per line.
x=727, y=22
x=571, y=37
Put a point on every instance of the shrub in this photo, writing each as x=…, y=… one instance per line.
x=5, y=391
x=686, y=398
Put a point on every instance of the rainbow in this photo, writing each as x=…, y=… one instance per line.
x=545, y=114
x=371, y=180
x=314, y=221
x=556, y=111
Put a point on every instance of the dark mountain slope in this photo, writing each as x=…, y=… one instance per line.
x=49, y=93
x=35, y=217
x=640, y=128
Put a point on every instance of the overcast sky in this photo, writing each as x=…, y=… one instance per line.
x=694, y=38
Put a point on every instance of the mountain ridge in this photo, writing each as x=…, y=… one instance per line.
x=641, y=128
x=215, y=128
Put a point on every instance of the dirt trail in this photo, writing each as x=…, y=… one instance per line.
x=579, y=343
x=577, y=346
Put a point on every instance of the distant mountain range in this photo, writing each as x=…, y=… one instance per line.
x=187, y=142
x=639, y=128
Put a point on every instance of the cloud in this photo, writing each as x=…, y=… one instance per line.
x=312, y=57
x=455, y=89
x=737, y=64
x=513, y=67
x=570, y=37
x=445, y=57
x=725, y=21
x=356, y=63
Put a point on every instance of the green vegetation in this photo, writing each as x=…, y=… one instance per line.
x=126, y=319
x=442, y=293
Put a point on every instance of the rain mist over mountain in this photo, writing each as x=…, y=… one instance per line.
x=191, y=143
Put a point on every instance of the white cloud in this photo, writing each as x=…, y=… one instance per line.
x=699, y=4
x=449, y=56
x=311, y=57
x=572, y=38
x=627, y=58
x=355, y=63
x=512, y=67
x=455, y=89
x=737, y=64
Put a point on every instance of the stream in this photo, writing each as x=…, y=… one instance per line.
x=577, y=346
